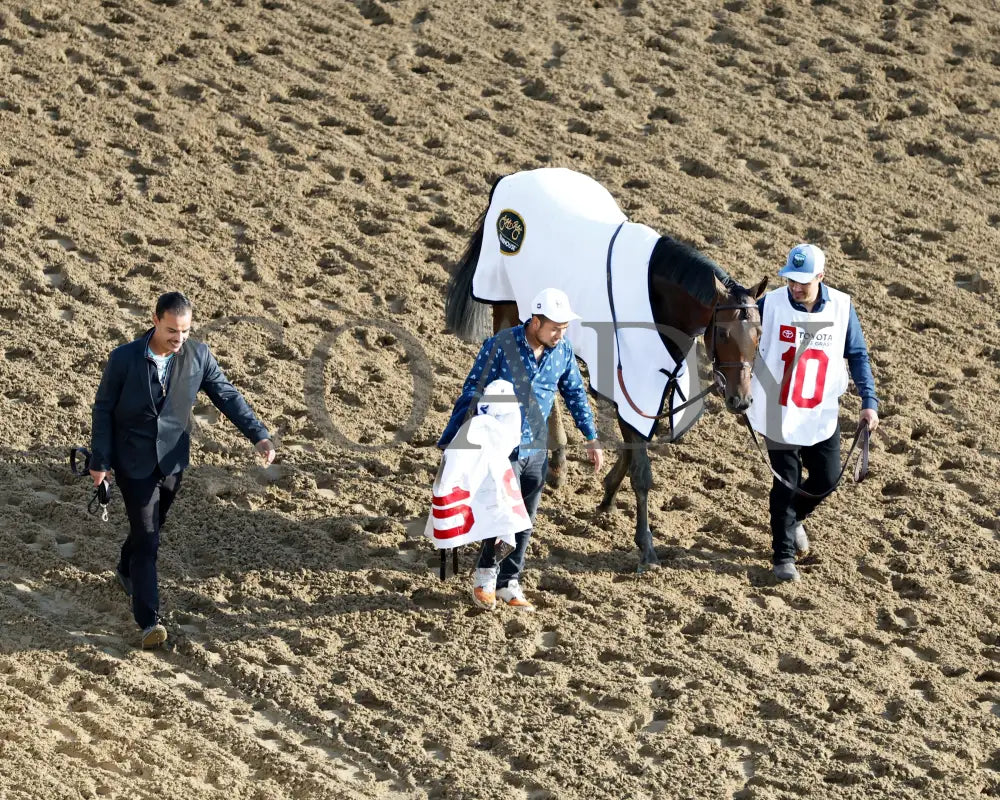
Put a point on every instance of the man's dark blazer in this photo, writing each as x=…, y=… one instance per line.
x=137, y=429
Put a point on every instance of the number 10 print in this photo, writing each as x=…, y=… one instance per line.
x=804, y=366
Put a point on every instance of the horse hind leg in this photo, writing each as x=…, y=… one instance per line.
x=557, y=446
x=505, y=316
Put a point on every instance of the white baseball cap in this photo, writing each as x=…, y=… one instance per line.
x=804, y=262
x=553, y=304
x=498, y=399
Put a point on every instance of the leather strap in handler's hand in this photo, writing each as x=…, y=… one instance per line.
x=102, y=492
x=862, y=434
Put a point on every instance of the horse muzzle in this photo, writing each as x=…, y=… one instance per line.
x=736, y=401
x=738, y=404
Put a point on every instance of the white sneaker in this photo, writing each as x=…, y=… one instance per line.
x=512, y=596
x=484, y=588
x=801, y=540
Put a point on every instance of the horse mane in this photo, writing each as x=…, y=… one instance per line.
x=694, y=272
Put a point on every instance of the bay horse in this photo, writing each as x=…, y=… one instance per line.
x=689, y=296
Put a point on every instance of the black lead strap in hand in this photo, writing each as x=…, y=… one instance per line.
x=862, y=435
x=79, y=464
x=101, y=498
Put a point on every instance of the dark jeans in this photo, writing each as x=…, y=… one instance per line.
x=822, y=460
x=147, y=501
x=530, y=473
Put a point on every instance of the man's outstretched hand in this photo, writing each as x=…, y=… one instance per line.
x=265, y=447
x=595, y=454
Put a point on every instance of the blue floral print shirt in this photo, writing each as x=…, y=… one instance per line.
x=508, y=356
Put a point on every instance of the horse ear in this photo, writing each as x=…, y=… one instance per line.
x=761, y=288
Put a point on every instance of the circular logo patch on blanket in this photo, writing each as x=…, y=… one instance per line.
x=510, y=232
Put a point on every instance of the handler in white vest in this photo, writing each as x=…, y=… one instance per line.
x=808, y=331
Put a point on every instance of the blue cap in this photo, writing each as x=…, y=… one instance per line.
x=804, y=263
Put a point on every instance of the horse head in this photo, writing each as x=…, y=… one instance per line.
x=731, y=340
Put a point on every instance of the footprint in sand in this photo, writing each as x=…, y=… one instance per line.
x=916, y=653
x=529, y=668
x=660, y=720
x=925, y=690
x=746, y=752
x=32, y=539
x=436, y=751
x=190, y=624
x=600, y=699
x=65, y=545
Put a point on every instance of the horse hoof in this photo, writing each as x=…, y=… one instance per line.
x=555, y=478
x=642, y=568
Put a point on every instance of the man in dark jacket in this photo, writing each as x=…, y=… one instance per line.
x=141, y=430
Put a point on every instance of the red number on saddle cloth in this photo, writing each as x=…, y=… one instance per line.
x=822, y=361
x=440, y=512
x=514, y=493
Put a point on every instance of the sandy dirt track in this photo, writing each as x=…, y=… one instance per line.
x=307, y=172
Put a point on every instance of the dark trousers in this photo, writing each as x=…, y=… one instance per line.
x=530, y=473
x=147, y=501
x=822, y=461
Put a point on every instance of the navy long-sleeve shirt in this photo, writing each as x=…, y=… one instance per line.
x=508, y=356
x=855, y=348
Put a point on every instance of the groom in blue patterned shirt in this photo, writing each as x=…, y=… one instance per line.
x=538, y=360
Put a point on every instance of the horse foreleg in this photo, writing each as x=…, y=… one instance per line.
x=641, y=473
x=614, y=479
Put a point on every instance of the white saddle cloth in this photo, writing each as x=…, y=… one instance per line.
x=476, y=494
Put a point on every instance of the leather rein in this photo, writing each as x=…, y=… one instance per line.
x=862, y=434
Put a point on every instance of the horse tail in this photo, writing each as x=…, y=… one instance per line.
x=464, y=316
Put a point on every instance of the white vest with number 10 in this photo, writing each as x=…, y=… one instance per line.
x=800, y=372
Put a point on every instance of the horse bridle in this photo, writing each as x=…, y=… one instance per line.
x=717, y=366
x=719, y=379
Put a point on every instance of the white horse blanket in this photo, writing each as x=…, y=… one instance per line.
x=552, y=228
